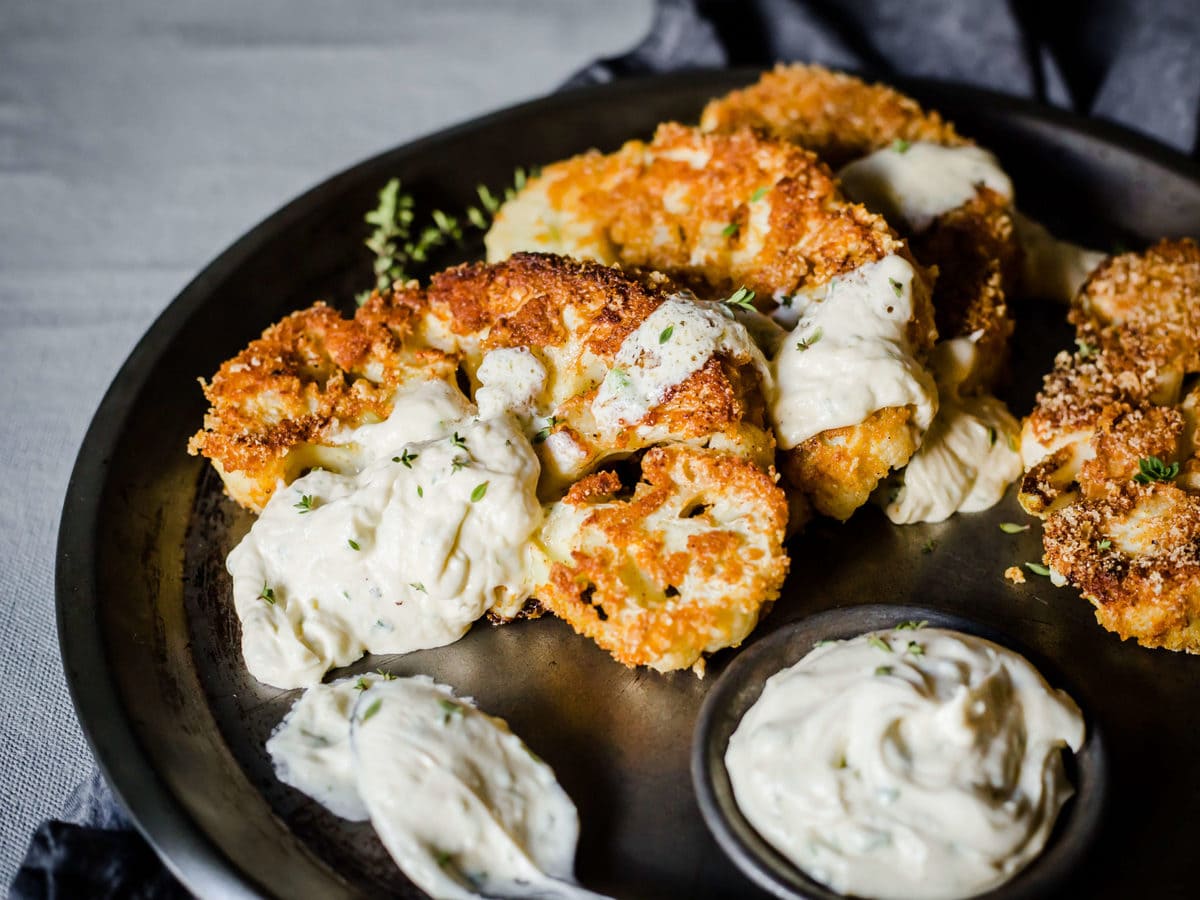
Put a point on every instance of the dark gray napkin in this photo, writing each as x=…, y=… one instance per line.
x=1134, y=63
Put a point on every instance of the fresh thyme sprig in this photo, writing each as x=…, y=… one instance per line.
x=1151, y=468
x=742, y=298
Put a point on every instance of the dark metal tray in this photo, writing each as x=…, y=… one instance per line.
x=150, y=642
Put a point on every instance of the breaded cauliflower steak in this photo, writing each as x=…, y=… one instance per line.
x=719, y=212
x=1111, y=449
x=685, y=566
x=842, y=119
x=277, y=406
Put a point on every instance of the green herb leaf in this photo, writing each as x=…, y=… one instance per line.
x=742, y=298
x=731, y=229
x=459, y=441
x=620, y=378
x=361, y=684
x=371, y=710
x=883, y=670
x=545, y=432
x=911, y=625
x=665, y=334
x=900, y=145
x=1013, y=528
x=1037, y=568
x=1154, y=469
x=823, y=643
x=929, y=546
x=759, y=194
x=480, y=490
x=1086, y=350
x=897, y=287
x=418, y=586
x=459, y=462
x=805, y=343
x=353, y=544
x=991, y=436
x=1104, y=544
x=386, y=676
x=420, y=491
x=915, y=649
x=879, y=643
x=305, y=504
x=406, y=458
x=450, y=710
x=442, y=858
x=267, y=594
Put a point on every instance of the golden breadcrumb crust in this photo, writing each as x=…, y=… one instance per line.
x=837, y=116
x=307, y=377
x=685, y=566
x=842, y=118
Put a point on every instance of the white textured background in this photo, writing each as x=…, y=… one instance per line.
x=137, y=139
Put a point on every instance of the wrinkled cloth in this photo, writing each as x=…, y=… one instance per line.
x=1136, y=64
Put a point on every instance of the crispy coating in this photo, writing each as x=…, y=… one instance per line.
x=276, y=405
x=1131, y=548
x=685, y=566
x=837, y=116
x=842, y=118
x=716, y=212
x=573, y=316
x=1136, y=556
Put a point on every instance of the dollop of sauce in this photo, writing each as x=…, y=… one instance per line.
x=1051, y=268
x=914, y=183
x=914, y=763
x=402, y=555
x=848, y=354
x=461, y=804
x=668, y=347
x=968, y=457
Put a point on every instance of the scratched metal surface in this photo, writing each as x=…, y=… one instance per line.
x=150, y=640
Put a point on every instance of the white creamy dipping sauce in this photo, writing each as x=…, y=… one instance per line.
x=968, y=457
x=461, y=804
x=405, y=554
x=914, y=183
x=849, y=355
x=1051, y=268
x=913, y=763
x=674, y=342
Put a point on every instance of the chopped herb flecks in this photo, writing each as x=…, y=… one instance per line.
x=371, y=710
x=1086, y=350
x=731, y=229
x=806, y=342
x=879, y=643
x=759, y=194
x=547, y=429
x=1037, y=568
x=900, y=145
x=929, y=546
x=1013, y=528
x=742, y=298
x=911, y=625
x=353, y=544
x=897, y=287
x=665, y=334
x=267, y=594
x=406, y=458
x=478, y=493
x=305, y=504
x=417, y=586
x=1104, y=544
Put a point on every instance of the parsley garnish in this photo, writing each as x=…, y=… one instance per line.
x=450, y=709
x=418, y=586
x=1104, y=544
x=1013, y=528
x=549, y=427
x=730, y=230
x=459, y=441
x=879, y=643
x=267, y=594
x=759, y=194
x=1037, y=568
x=742, y=298
x=305, y=504
x=805, y=343
x=480, y=490
x=406, y=458
x=353, y=544
x=897, y=287
x=665, y=334
x=900, y=145
x=1086, y=350
x=371, y=710
x=1154, y=469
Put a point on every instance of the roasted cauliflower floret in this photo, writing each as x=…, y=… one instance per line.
x=685, y=566
x=605, y=363
x=843, y=119
x=723, y=211
x=279, y=406
x=1136, y=556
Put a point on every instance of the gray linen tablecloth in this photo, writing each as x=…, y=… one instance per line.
x=137, y=140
